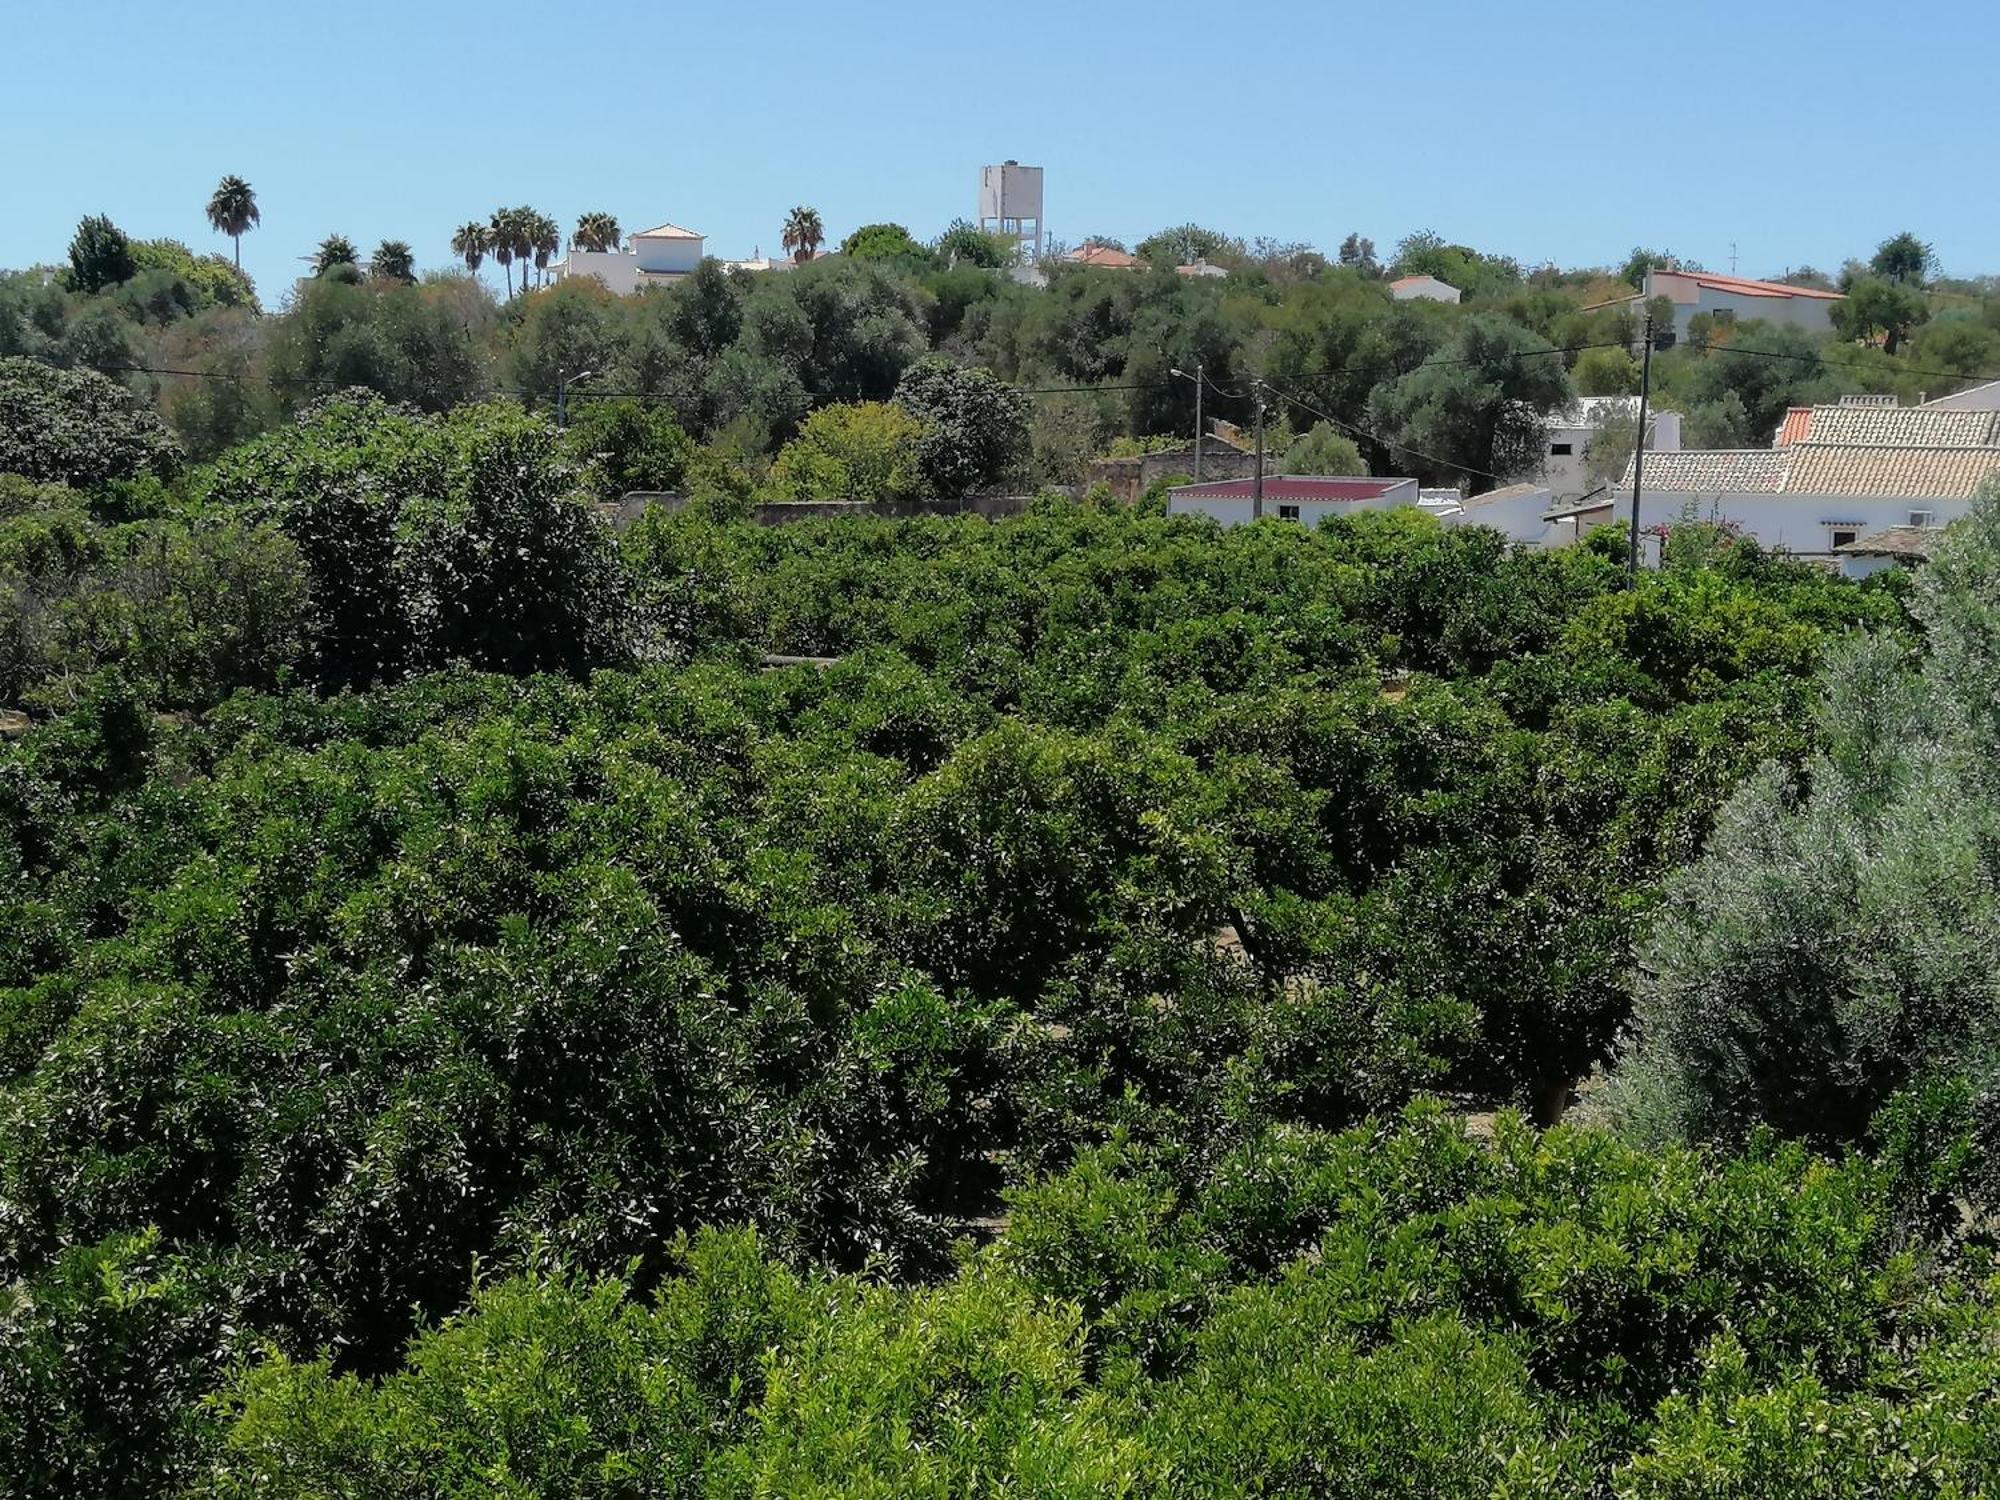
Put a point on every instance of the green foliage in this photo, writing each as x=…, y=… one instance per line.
x=1606, y=372
x=427, y=541
x=966, y=244
x=864, y=451
x=409, y=344
x=334, y=250
x=884, y=242
x=1478, y=418
x=188, y=612
x=627, y=445
x=1831, y=948
x=1185, y=244
x=100, y=255
x=1904, y=259
x=211, y=280
x=77, y=427
x=104, y=1359
x=974, y=426
x=393, y=261
x=1876, y=307
x=1324, y=449
x=1538, y=1316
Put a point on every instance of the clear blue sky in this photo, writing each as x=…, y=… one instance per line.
x=1547, y=131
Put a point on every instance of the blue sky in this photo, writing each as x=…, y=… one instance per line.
x=1546, y=131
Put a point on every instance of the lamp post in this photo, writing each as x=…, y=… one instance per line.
x=1198, y=383
x=562, y=395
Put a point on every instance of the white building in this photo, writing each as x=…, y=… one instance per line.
x=1737, y=298
x=1010, y=205
x=1811, y=499
x=1425, y=288
x=1307, y=498
x=659, y=256
x=1519, y=512
x=1573, y=431
x=1974, y=398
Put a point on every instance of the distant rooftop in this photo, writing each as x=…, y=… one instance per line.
x=1294, y=487
x=1915, y=471
x=666, y=232
x=1743, y=286
x=1909, y=426
x=1895, y=541
x=1104, y=256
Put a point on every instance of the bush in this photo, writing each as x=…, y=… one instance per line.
x=75, y=427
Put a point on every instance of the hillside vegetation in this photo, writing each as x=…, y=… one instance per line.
x=470, y=1025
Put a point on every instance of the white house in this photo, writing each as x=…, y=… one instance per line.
x=659, y=256
x=1519, y=512
x=1424, y=288
x=1810, y=498
x=1570, y=433
x=1738, y=298
x=1973, y=398
x=1307, y=498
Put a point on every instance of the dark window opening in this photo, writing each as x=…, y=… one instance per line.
x=1842, y=538
x=1288, y=513
x=1560, y=450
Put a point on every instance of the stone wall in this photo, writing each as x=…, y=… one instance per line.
x=1129, y=478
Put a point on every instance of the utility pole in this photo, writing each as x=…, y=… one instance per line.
x=1257, y=483
x=1197, y=423
x=562, y=396
x=1639, y=451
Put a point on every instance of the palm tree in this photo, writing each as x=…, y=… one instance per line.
x=232, y=208
x=501, y=236
x=804, y=234
x=546, y=237
x=598, y=232
x=334, y=250
x=393, y=261
x=470, y=241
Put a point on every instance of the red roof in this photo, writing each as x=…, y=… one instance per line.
x=1798, y=422
x=1294, y=487
x=1103, y=255
x=1744, y=287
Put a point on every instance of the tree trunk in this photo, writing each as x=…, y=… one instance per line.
x=1551, y=1100
x=239, y=251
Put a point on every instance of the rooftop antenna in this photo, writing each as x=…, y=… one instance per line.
x=1732, y=257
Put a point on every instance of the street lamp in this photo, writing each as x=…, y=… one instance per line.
x=1198, y=383
x=562, y=395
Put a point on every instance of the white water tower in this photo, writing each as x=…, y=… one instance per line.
x=1010, y=205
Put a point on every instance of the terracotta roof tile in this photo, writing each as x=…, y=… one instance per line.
x=1919, y=473
x=1895, y=541
x=1752, y=471
x=1902, y=426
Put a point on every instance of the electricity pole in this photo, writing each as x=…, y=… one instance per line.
x=1197, y=423
x=1257, y=483
x=1639, y=451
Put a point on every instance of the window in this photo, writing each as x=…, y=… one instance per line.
x=1561, y=450
x=1843, y=535
x=1922, y=518
x=1288, y=513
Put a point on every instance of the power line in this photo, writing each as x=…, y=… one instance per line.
x=1373, y=437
